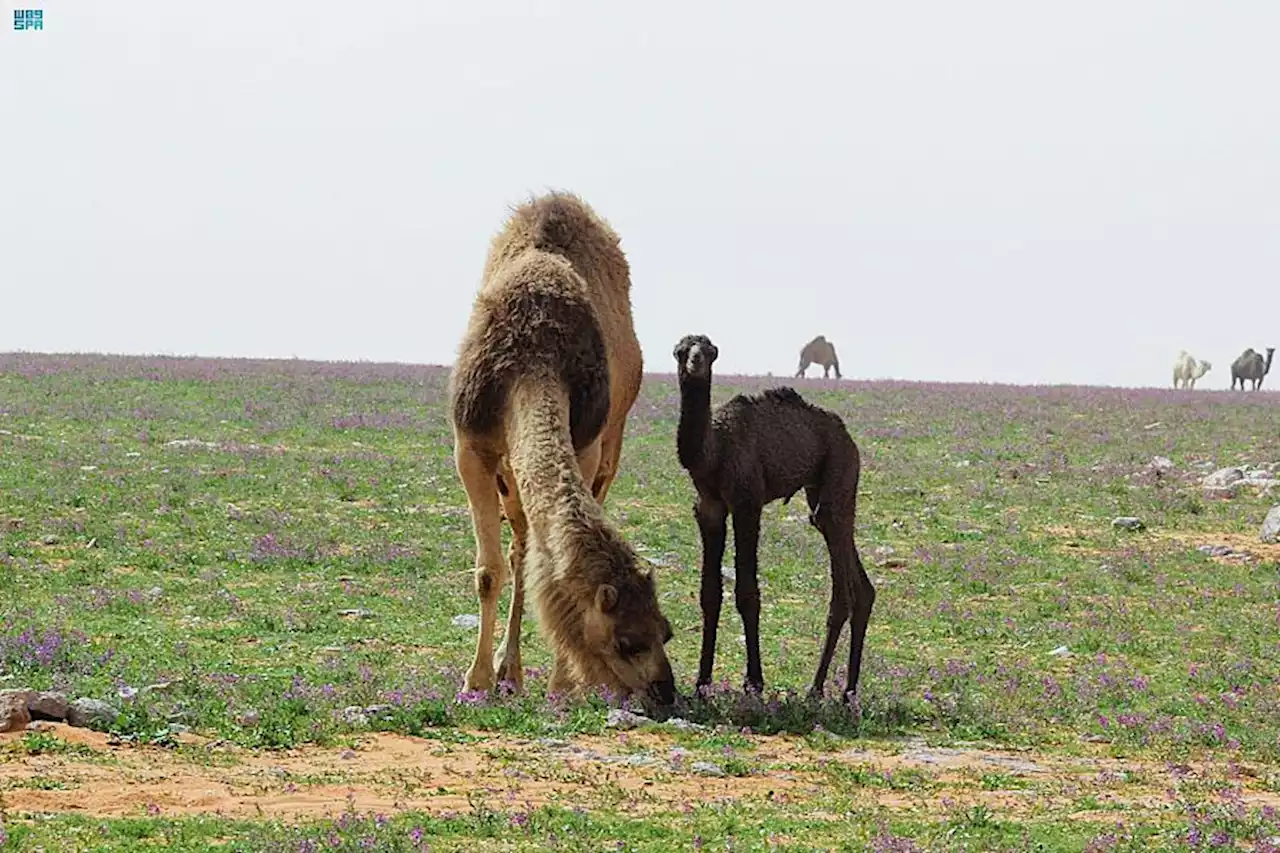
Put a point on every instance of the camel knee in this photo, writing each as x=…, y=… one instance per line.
x=711, y=596
x=747, y=599
x=838, y=609
x=865, y=597
x=489, y=581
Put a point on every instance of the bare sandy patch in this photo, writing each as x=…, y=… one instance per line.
x=638, y=773
x=1243, y=543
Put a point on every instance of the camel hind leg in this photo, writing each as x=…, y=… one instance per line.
x=479, y=477
x=853, y=595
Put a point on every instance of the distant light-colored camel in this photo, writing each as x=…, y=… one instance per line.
x=1250, y=366
x=819, y=351
x=546, y=373
x=1186, y=370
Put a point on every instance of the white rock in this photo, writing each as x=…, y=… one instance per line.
x=622, y=719
x=1223, y=477
x=1271, y=526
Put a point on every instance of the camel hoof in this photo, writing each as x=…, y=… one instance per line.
x=480, y=677
x=509, y=672
x=756, y=687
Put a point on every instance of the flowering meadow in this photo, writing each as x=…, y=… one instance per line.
x=264, y=562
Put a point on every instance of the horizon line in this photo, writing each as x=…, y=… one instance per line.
x=667, y=374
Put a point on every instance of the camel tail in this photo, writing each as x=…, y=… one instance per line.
x=537, y=326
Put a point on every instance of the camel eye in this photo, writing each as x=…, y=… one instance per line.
x=629, y=648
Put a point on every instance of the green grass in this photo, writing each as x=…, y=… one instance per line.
x=203, y=586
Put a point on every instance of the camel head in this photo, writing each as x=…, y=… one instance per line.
x=1270, y=352
x=1202, y=368
x=624, y=632
x=694, y=356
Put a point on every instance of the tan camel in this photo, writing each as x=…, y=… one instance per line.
x=819, y=351
x=546, y=373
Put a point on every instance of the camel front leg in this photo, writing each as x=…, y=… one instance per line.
x=746, y=589
x=710, y=516
x=507, y=660
x=596, y=468
x=589, y=459
x=478, y=476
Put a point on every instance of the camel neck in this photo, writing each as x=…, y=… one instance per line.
x=693, y=436
x=552, y=491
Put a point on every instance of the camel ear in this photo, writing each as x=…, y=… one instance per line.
x=606, y=597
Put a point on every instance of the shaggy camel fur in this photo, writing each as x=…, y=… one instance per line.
x=1186, y=370
x=546, y=372
x=752, y=451
x=1250, y=366
x=819, y=351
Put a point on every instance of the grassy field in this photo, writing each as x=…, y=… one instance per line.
x=261, y=565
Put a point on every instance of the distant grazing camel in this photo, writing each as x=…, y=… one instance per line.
x=1250, y=366
x=819, y=351
x=546, y=373
x=1186, y=370
x=750, y=452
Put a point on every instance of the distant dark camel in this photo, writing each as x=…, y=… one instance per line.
x=819, y=351
x=750, y=452
x=1250, y=366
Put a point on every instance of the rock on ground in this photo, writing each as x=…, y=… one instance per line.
x=1271, y=526
x=622, y=719
x=1127, y=522
x=48, y=706
x=1223, y=477
x=91, y=714
x=14, y=715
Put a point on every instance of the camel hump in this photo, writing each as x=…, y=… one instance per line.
x=784, y=394
x=561, y=222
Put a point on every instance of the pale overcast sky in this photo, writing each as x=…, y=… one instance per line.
x=1003, y=191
